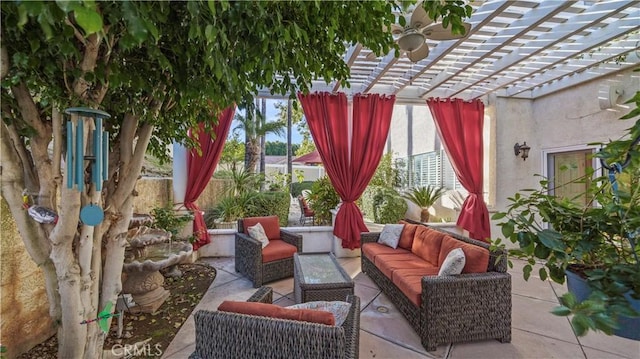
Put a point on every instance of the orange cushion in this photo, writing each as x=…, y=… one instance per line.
x=409, y=281
x=270, y=224
x=372, y=250
x=407, y=272
x=426, y=244
x=274, y=311
x=389, y=264
x=277, y=249
x=476, y=258
x=406, y=237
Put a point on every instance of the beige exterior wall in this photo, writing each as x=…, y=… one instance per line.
x=564, y=120
x=24, y=308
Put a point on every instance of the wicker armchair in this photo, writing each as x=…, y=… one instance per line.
x=249, y=260
x=230, y=335
x=459, y=308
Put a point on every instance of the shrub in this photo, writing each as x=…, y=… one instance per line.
x=323, y=199
x=367, y=202
x=269, y=204
x=388, y=207
x=298, y=187
x=166, y=218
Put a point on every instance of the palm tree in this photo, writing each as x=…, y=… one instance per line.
x=254, y=127
x=424, y=197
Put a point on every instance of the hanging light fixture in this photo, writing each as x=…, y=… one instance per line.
x=522, y=148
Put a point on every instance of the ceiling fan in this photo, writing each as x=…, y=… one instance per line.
x=412, y=37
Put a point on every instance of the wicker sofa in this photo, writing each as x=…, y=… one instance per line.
x=257, y=263
x=231, y=335
x=459, y=308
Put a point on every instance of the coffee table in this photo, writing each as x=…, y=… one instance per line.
x=319, y=276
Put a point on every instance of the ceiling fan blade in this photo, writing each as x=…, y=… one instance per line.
x=419, y=18
x=438, y=32
x=396, y=29
x=419, y=53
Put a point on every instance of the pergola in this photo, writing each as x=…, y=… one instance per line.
x=517, y=49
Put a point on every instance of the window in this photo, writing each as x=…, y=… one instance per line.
x=432, y=169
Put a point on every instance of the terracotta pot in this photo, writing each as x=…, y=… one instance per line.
x=424, y=215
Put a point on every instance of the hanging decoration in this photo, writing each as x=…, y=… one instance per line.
x=87, y=141
x=103, y=317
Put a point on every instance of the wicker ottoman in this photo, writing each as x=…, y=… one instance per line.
x=319, y=276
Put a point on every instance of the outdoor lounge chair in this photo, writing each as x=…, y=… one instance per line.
x=306, y=214
x=231, y=335
x=273, y=262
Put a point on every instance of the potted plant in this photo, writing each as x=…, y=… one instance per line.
x=424, y=197
x=597, y=244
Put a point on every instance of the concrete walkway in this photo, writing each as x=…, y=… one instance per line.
x=384, y=333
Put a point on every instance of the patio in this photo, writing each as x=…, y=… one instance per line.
x=384, y=333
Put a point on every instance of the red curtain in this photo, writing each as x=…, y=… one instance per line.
x=350, y=164
x=200, y=167
x=459, y=125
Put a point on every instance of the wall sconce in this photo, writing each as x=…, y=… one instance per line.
x=517, y=148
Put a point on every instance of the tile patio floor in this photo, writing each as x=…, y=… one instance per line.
x=384, y=333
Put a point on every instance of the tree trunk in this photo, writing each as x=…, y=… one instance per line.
x=263, y=119
x=289, y=149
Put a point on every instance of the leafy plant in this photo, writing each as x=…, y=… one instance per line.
x=323, y=199
x=168, y=219
x=389, y=207
x=389, y=173
x=424, y=197
x=599, y=241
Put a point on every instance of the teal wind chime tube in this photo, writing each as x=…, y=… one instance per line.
x=97, y=153
x=105, y=156
x=79, y=154
x=70, y=169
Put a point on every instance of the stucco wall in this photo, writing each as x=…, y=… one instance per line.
x=24, y=308
x=562, y=120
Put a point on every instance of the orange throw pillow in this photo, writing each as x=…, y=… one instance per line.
x=426, y=244
x=269, y=223
x=406, y=237
x=274, y=311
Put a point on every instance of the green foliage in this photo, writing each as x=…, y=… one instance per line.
x=323, y=199
x=599, y=240
x=389, y=172
x=298, y=187
x=278, y=148
x=233, y=152
x=388, y=207
x=269, y=204
x=382, y=204
x=279, y=182
x=425, y=196
x=167, y=218
x=241, y=181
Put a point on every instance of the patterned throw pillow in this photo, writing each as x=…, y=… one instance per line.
x=257, y=232
x=340, y=310
x=454, y=263
x=390, y=235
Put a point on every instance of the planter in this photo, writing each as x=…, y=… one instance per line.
x=629, y=327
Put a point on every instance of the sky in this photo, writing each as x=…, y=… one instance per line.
x=272, y=115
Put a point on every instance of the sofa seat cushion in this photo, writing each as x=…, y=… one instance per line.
x=389, y=263
x=426, y=244
x=274, y=311
x=476, y=257
x=277, y=249
x=269, y=223
x=371, y=250
x=409, y=281
x=406, y=237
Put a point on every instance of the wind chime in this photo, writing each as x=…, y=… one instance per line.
x=86, y=124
